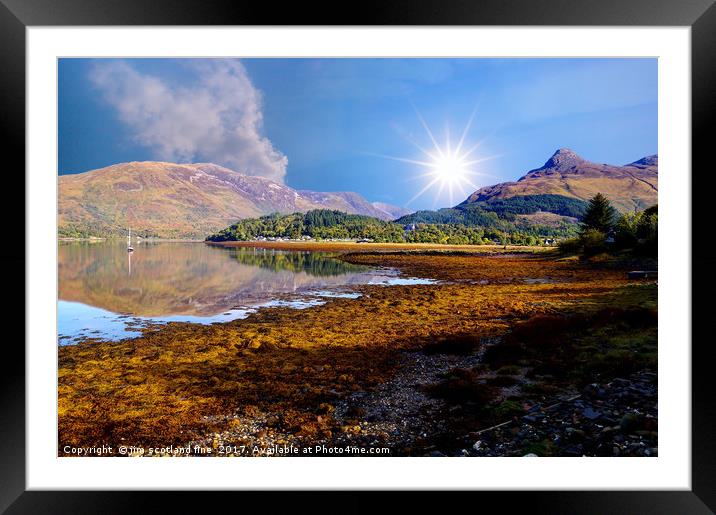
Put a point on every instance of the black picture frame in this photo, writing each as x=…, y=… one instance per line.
x=700, y=15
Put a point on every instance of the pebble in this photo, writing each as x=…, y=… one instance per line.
x=618, y=418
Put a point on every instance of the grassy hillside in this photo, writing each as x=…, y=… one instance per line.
x=630, y=187
x=183, y=200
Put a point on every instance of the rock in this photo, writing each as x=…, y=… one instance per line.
x=591, y=390
x=606, y=432
x=620, y=382
x=573, y=451
x=591, y=414
x=577, y=435
x=530, y=455
x=607, y=421
x=629, y=422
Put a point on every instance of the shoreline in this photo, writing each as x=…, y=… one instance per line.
x=319, y=375
x=349, y=246
x=138, y=241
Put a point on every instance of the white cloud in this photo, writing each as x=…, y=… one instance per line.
x=218, y=118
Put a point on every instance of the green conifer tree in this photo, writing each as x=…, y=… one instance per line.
x=599, y=215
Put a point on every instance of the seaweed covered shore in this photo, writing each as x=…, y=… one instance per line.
x=507, y=354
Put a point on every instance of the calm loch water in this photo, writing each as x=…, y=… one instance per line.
x=107, y=293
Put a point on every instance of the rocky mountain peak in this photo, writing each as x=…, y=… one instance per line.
x=647, y=161
x=562, y=159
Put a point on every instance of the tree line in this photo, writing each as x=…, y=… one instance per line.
x=602, y=229
x=324, y=224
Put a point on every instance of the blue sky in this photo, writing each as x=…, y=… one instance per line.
x=337, y=124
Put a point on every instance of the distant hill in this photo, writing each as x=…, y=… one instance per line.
x=488, y=212
x=392, y=212
x=629, y=187
x=185, y=200
x=554, y=195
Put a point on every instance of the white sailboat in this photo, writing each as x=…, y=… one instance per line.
x=129, y=241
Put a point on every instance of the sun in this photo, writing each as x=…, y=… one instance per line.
x=448, y=168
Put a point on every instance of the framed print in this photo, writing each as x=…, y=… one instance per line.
x=431, y=250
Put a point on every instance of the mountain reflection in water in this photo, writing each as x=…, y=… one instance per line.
x=161, y=279
x=107, y=293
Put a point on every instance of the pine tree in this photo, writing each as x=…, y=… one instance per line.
x=599, y=215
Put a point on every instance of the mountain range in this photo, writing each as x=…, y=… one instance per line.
x=186, y=200
x=629, y=187
x=192, y=200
